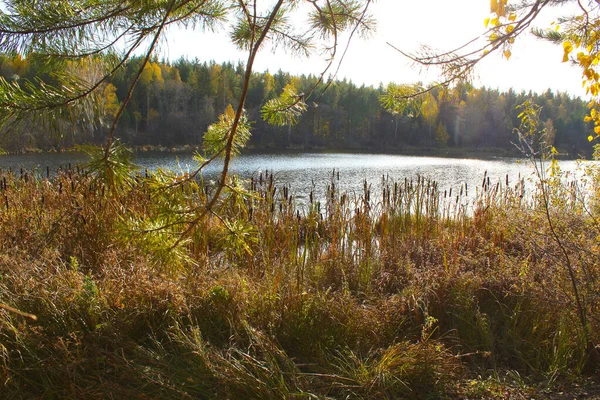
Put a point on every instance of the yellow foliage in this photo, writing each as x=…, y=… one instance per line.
x=568, y=48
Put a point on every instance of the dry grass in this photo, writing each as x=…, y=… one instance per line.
x=394, y=297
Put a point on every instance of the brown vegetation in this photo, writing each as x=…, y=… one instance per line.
x=414, y=294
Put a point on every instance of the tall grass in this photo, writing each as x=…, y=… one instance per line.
x=394, y=294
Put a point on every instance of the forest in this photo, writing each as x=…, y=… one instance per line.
x=118, y=283
x=174, y=103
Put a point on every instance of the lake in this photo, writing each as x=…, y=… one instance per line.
x=304, y=172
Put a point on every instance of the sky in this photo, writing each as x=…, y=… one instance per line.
x=535, y=65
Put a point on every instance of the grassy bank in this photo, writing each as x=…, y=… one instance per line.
x=415, y=294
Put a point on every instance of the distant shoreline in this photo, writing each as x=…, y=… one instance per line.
x=446, y=152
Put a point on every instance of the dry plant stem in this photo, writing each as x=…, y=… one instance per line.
x=580, y=309
x=18, y=312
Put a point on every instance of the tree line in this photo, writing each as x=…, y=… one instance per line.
x=174, y=103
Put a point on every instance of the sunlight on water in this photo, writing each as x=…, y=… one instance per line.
x=304, y=172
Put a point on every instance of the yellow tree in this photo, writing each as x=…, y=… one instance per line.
x=151, y=80
x=430, y=112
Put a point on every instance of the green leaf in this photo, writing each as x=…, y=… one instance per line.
x=284, y=110
x=114, y=167
x=217, y=135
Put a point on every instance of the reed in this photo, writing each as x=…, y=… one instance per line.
x=404, y=290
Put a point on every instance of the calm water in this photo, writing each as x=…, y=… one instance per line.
x=304, y=172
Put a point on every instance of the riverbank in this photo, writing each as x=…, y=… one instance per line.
x=406, y=296
x=449, y=152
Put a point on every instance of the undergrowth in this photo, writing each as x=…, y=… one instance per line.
x=407, y=293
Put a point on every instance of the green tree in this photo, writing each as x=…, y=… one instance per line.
x=65, y=32
x=404, y=100
x=441, y=135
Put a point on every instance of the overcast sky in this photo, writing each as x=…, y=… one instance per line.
x=406, y=24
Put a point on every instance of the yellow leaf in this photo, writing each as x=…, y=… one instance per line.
x=512, y=17
x=507, y=54
x=486, y=22
x=510, y=28
x=568, y=46
x=494, y=6
x=597, y=130
x=493, y=37
x=495, y=21
x=590, y=138
x=557, y=28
